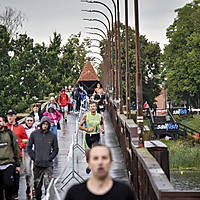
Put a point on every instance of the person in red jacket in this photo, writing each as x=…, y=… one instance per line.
x=22, y=138
x=63, y=100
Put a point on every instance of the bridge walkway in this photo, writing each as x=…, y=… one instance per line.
x=70, y=168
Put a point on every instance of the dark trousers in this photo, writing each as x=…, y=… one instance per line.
x=40, y=174
x=78, y=103
x=16, y=182
x=7, y=182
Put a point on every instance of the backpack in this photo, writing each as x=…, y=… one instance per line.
x=76, y=93
x=11, y=138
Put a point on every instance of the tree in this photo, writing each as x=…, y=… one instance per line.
x=12, y=19
x=181, y=57
x=4, y=66
x=150, y=65
x=73, y=59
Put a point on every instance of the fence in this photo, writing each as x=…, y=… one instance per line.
x=148, y=167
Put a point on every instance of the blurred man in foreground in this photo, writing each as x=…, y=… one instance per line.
x=100, y=185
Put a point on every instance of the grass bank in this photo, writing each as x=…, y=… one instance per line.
x=192, y=122
x=183, y=155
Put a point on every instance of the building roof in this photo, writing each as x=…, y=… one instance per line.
x=88, y=73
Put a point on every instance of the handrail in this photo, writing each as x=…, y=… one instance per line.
x=148, y=167
x=189, y=130
x=184, y=127
x=169, y=112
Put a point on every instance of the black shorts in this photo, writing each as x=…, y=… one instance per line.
x=91, y=139
x=100, y=108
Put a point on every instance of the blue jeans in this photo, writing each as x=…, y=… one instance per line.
x=54, y=129
x=74, y=104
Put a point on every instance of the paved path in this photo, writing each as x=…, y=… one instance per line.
x=67, y=172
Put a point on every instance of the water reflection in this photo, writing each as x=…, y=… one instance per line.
x=188, y=180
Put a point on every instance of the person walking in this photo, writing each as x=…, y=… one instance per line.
x=69, y=93
x=84, y=98
x=77, y=97
x=36, y=113
x=10, y=160
x=100, y=100
x=99, y=90
x=27, y=162
x=55, y=117
x=63, y=100
x=45, y=150
x=52, y=100
x=22, y=138
x=154, y=106
x=100, y=186
x=92, y=123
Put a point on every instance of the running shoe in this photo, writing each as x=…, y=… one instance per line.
x=28, y=191
x=33, y=194
x=88, y=170
x=15, y=197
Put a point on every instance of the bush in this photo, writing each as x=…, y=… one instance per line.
x=183, y=155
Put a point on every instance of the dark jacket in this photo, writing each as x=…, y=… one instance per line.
x=45, y=147
x=9, y=151
x=39, y=113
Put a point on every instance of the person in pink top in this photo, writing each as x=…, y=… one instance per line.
x=55, y=117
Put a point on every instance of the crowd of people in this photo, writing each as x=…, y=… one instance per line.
x=32, y=146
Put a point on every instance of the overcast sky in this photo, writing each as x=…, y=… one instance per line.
x=65, y=17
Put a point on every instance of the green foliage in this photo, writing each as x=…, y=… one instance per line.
x=192, y=122
x=181, y=57
x=182, y=155
x=150, y=55
x=30, y=71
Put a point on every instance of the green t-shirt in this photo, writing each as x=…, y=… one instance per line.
x=93, y=121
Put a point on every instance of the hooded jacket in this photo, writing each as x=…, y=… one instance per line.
x=63, y=99
x=20, y=132
x=9, y=151
x=45, y=145
x=55, y=116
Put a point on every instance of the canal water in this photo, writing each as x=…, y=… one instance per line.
x=185, y=180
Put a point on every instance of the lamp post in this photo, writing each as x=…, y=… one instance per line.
x=97, y=20
x=94, y=28
x=104, y=57
x=127, y=64
x=119, y=61
x=97, y=11
x=138, y=79
x=116, y=50
x=96, y=34
x=106, y=69
x=114, y=82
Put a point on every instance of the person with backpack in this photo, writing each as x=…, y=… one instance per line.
x=69, y=93
x=22, y=138
x=52, y=100
x=63, y=100
x=10, y=160
x=27, y=162
x=54, y=116
x=77, y=97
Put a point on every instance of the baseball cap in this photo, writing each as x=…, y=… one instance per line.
x=12, y=112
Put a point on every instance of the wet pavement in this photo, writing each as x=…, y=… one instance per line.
x=69, y=166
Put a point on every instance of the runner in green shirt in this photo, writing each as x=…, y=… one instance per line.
x=92, y=123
